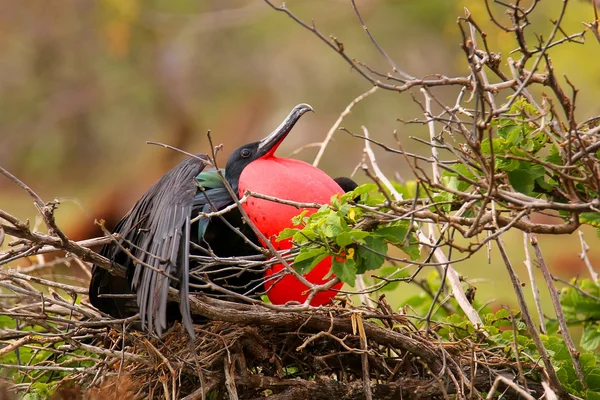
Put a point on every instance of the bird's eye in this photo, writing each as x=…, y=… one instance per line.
x=245, y=153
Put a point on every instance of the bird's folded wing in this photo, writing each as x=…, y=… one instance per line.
x=157, y=232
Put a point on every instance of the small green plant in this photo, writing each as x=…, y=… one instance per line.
x=339, y=230
x=508, y=335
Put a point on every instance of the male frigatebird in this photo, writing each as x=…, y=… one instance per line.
x=160, y=238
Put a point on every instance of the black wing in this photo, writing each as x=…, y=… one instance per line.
x=156, y=231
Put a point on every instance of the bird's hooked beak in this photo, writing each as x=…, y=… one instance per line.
x=268, y=145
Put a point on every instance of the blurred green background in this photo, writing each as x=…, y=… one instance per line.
x=83, y=86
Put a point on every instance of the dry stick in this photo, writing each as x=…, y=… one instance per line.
x=594, y=25
x=248, y=194
x=364, y=357
x=72, y=370
x=536, y=62
x=534, y=288
x=575, y=287
x=36, y=199
x=46, y=211
x=51, y=249
x=584, y=257
x=229, y=370
x=454, y=281
x=361, y=289
x=484, y=77
x=393, y=64
x=528, y=320
x=274, y=199
x=548, y=392
x=515, y=346
x=68, y=288
x=365, y=72
x=557, y=308
x=435, y=169
x=258, y=315
x=431, y=125
x=369, y=152
x=360, y=283
x=166, y=362
x=83, y=253
x=339, y=121
x=509, y=383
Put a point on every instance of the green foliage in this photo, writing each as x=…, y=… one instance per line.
x=581, y=305
x=517, y=143
x=40, y=390
x=524, y=153
x=518, y=140
x=334, y=230
x=43, y=382
x=579, y=309
x=590, y=218
x=503, y=338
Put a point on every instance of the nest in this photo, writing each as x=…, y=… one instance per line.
x=241, y=351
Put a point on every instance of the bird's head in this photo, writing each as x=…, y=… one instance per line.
x=244, y=155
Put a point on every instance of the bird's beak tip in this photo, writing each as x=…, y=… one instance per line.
x=304, y=108
x=269, y=144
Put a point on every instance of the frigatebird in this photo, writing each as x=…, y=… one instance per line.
x=160, y=239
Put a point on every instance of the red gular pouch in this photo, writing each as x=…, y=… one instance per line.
x=293, y=180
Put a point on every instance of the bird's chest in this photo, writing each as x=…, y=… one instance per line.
x=283, y=179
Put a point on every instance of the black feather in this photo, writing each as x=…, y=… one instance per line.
x=155, y=231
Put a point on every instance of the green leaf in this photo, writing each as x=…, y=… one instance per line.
x=361, y=191
x=547, y=186
x=343, y=210
x=334, y=225
x=590, y=339
x=344, y=270
x=508, y=164
x=308, y=258
x=451, y=182
x=528, y=146
x=554, y=156
x=587, y=361
x=364, y=189
x=372, y=260
x=590, y=218
x=506, y=128
x=514, y=134
x=297, y=220
x=287, y=233
x=349, y=237
x=305, y=235
x=395, y=232
x=592, y=395
x=521, y=181
x=411, y=189
x=455, y=179
x=593, y=382
x=498, y=146
x=412, y=251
